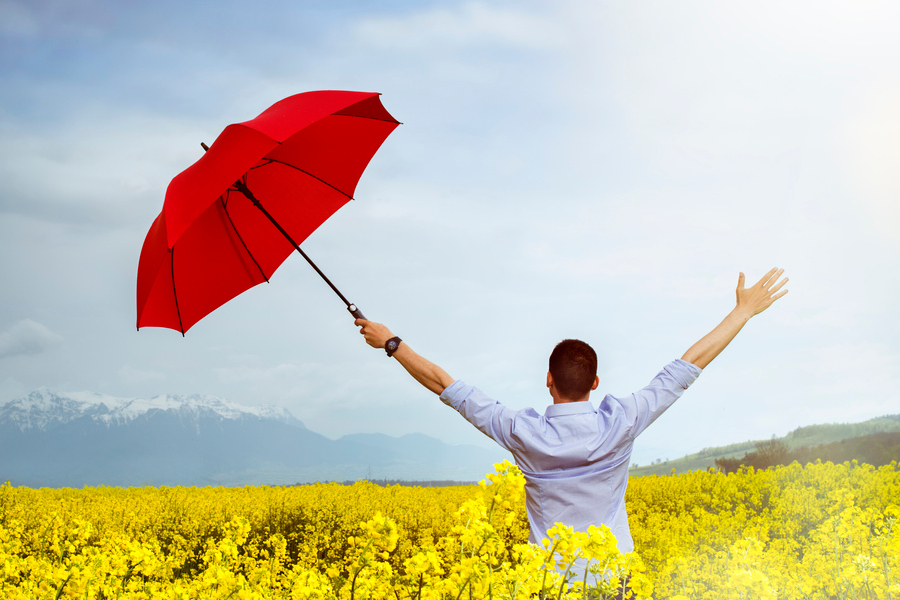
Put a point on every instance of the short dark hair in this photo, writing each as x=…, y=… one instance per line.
x=573, y=366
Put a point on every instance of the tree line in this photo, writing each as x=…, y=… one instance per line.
x=875, y=449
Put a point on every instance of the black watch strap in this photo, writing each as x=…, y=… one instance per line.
x=391, y=345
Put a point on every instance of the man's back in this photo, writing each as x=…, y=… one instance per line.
x=574, y=457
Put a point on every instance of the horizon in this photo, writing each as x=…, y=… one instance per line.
x=232, y=404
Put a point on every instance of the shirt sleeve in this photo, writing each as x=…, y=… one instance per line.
x=486, y=414
x=646, y=405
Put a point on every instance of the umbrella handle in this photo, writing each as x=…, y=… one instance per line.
x=357, y=314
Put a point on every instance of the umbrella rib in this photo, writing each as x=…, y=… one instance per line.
x=241, y=187
x=280, y=162
x=243, y=243
x=174, y=292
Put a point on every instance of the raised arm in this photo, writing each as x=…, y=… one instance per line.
x=750, y=302
x=424, y=371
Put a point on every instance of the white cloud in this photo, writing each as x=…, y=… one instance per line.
x=26, y=337
x=837, y=31
x=872, y=158
x=82, y=171
x=741, y=93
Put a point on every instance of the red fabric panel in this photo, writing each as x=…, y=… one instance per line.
x=264, y=241
x=153, y=252
x=192, y=191
x=211, y=266
x=240, y=146
x=211, y=263
x=286, y=117
x=370, y=108
x=336, y=149
x=159, y=309
x=155, y=302
x=298, y=202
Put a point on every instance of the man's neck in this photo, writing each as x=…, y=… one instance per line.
x=584, y=398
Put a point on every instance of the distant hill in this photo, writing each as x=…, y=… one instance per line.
x=49, y=439
x=802, y=437
x=874, y=449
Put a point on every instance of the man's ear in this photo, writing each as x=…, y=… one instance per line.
x=596, y=383
x=549, y=379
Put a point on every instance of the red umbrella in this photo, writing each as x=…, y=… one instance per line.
x=230, y=219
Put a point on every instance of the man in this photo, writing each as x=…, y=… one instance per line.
x=574, y=457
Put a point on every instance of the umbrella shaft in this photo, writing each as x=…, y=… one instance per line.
x=242, y=188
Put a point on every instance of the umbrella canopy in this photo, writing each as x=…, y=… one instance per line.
x=230, y=219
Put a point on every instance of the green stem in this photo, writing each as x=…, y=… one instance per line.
x=462, y=550
x=584, y=580
x=483, y=542
x=544, y=579
x=562, y=584
x=461, y=590
x=353, y=583
x=359, y=570
x=128, y=574
x=61, y=587
x=397, y=594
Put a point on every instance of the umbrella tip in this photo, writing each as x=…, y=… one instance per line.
x=204, y=146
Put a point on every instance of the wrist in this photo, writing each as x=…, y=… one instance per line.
x=392, y=345
x=742, y=313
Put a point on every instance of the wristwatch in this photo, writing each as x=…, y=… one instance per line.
x=391, y=345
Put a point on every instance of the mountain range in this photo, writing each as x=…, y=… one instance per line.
x=50, y=439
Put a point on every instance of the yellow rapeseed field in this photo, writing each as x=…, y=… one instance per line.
x=822, y=531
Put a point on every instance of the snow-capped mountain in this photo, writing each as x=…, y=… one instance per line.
x=44, y=409
x=76, y=439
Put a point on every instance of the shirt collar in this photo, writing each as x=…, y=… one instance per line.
x=569, y=408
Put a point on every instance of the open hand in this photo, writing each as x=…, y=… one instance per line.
x=760, y=296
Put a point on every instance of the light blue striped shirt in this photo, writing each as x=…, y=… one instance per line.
x=574, y=457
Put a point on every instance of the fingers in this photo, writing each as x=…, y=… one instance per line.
x=778, y=286
x=768, y=276
x=772, y=285
x=774, y=278
x=741, y=281
x=376, y=334
x=770, y=281
x=365, y=329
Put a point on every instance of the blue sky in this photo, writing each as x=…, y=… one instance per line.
x=568, y=169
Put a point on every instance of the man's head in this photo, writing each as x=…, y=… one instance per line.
x=573, y=370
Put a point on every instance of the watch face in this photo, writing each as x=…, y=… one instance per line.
x=392, y=345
